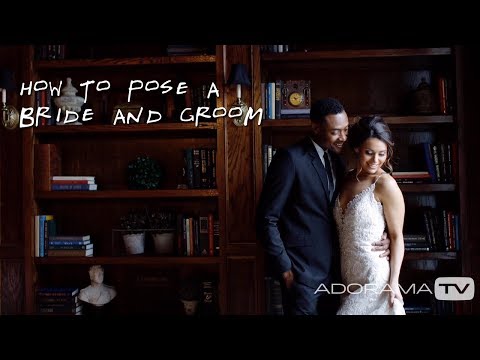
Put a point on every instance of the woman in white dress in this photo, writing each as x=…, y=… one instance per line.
x=369, y=202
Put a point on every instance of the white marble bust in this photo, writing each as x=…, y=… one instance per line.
x=97, y=293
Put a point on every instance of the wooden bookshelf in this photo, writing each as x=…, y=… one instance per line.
x=423, y=188
x=449, y=255
x=128, y=194
x=105, y=151
x=135, y=61
x=393, y=120
x=353, y=54
x=131, y=129
x=130, y=260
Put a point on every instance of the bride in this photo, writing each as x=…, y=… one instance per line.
x=370, y=201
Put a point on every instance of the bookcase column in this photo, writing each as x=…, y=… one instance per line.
x=240, y=243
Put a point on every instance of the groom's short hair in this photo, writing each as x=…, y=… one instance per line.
x=323, y=107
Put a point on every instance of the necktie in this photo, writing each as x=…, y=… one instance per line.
x=328, y=168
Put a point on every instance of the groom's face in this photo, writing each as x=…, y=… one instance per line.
x=332, y=134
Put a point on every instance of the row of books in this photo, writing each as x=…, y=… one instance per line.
x=198, y=235
x=58, y=301
x=275, y=99
x=273, y=297
x=429, y=162
x=437, y=307
x=279, y=48
x=44, y=99
x=48, y=243
x=432, y=229
x=184, y=106
x=49, y=52
x=200, y=168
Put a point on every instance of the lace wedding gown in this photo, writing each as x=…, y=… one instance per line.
x=364, y=273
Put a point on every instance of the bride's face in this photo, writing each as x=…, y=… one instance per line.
x=372, y=155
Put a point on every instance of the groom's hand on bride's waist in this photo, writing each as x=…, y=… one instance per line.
x=382, y=245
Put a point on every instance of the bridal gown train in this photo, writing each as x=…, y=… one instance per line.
x=359, y=225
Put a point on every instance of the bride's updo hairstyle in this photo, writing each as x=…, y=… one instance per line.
x=372, y=127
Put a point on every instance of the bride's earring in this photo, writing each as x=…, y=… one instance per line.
x=358, y=166
x=358, y=173
x=359, y=170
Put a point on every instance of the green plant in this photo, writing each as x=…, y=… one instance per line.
x=134, y=221
x=162, y=220
x=145, y=173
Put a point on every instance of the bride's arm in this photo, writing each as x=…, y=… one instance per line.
x=390, y=195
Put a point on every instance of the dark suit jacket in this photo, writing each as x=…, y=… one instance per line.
x=294, y=215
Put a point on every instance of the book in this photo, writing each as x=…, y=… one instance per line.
x=68, y=182
x=73, y=187
x=43, y=234
x=74, y=252
x=64, y=309
x=47, y=163
x=69, y=238
x=68, y=243
x=70, y=247
x=74, y=177
x=57, y=291
x=41, y=299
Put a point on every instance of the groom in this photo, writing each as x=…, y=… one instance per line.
x=294, y=214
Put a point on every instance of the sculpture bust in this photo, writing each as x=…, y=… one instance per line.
x=97, y=293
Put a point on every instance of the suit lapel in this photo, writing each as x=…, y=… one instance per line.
x=317, y=165
x=339, y=169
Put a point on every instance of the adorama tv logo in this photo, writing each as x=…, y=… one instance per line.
x=454, y=288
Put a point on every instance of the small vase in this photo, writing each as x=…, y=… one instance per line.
x=164, y=243
x=134, y=243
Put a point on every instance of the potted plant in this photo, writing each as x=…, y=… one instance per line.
x=145, y=173
x=134, y=225
x=162, y=225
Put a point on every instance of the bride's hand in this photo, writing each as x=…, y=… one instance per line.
x=395, y=294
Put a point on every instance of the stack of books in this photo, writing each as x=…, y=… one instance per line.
x=70, y=245
x=58, y=301
x=73, y=183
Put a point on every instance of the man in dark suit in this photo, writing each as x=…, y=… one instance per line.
x=294, y=215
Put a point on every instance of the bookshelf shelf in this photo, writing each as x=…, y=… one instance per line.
x=129, y=260
x=135, y=61
x=288, y=124
x=353, y=54
x=133, y=128
x=430, y=119
x=127, y=194
x=426, y=187
x=450, y=255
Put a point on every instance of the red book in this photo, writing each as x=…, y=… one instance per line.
x=47, y=164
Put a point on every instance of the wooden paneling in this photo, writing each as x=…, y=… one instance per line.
x=11, y=187
x=11, y=243
x=468, y=77
x=242, y=285
x=239, y=169
x=11, y=287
